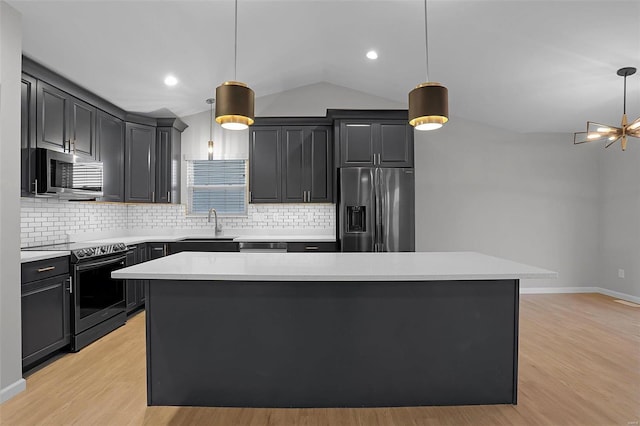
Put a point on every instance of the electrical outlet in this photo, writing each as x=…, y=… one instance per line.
x=620, y=273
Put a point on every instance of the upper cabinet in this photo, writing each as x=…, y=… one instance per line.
x=140, y=158
x=28, y=135
x=110, y=140
x=64, y=123
x=307, y=164
x=290, y=164
x=383, y=143
x=168, y=165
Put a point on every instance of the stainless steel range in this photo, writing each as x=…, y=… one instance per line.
x=97, y=300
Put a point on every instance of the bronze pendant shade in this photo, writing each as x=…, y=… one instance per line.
x=428, y=106
x=428, y=102
x=234, y=105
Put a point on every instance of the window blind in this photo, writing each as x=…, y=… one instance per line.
x=221, y=184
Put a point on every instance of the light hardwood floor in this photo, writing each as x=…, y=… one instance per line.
x=579, y=365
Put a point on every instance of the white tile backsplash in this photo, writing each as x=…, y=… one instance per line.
x=50, y=221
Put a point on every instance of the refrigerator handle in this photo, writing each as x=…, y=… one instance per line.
x=378, y=194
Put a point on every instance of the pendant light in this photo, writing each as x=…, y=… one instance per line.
x=612, y=134
x=428, y=102
x=210, y=101
x=235, y=108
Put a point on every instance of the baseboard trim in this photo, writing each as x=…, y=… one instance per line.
x=618, y=295
x=558, y=290
x=12, y=390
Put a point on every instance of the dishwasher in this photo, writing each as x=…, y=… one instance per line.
x=263, y=247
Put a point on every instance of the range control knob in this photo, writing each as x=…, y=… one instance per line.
x=80, y=253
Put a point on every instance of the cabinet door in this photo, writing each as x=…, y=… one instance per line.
x=319, y=164
x=45, y=318
x=53, y=108
x=265, y=165
x=395, y=144
x=142, y=256
x=356, y=144
x=27, y=135
x=156, y=250
x=131, y=285
x=110, y=140
x=294, y=176
x=140, y=171
x=163, y=165
x=82, y=128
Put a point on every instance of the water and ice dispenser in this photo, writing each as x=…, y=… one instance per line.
x=356, y=219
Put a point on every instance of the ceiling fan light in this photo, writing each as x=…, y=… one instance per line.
x=234, y=105
x=428, y=106
x=604, y=129
x=594, y=136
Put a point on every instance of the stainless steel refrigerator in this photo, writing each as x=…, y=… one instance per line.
x=377, y=209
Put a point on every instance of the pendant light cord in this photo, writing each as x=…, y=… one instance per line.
x=211, y=124
x=235, y=52
x=426, y=40
x=624, y=102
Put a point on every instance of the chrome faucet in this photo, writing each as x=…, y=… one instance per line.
x=215, y=217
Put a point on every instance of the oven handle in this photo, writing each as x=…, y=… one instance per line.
x=96, y=264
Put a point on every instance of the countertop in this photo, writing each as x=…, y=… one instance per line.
x=332, y=267
x=31, y=256
x=243, y=238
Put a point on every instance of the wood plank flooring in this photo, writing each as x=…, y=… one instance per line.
x=579, y=365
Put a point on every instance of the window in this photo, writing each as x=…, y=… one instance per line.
x=221, y=184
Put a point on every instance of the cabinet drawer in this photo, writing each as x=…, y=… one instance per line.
x=42, y=269
x=311, y=247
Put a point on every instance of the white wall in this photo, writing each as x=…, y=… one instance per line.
x=11, y=381
x=620, y=218
x=531, y=198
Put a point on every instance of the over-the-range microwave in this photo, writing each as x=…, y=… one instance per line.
x=67, y=176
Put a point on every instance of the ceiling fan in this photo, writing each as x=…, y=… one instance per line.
x=611, y=134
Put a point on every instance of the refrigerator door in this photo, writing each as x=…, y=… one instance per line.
x=357, y=209
x=397, y=205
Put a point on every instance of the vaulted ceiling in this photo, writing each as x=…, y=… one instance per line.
x=522, y=65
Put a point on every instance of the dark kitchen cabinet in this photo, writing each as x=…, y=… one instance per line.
x=306, y=164
x=135, y=292
x=168, y=165
x=265, y=159
x=46, y=315
x=110, y=142
x=383, y=143
x=290, y=164
x=140, y=158
x=205, y=245
x=27, y=135
x=64, y=123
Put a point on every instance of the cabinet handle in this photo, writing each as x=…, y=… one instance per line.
x=133, y=247
x=304, y=196
x=74, y=147
x=70, y=285
x=311, y=247
x=250, y=199
x=169, y=196
x=48, y=268
x=157, y=248
x=153, y=196
x=66, y=146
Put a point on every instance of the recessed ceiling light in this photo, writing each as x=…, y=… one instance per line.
x=170, y=80
x=372, y=54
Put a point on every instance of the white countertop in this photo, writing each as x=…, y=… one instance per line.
x=331, y=267
x=31, y=256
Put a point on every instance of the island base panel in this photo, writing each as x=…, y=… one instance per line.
x=331, y=344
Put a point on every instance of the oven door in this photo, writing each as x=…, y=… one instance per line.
x=97, y=297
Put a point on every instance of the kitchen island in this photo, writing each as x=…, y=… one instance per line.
x=331, y=329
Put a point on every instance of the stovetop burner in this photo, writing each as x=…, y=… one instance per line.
x=82, y=251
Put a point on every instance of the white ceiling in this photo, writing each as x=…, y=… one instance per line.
x=522, y=65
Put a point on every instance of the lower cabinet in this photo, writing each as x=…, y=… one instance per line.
x=312, y=247
x=209, y=246
x=135, y=294
x=46, y=309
